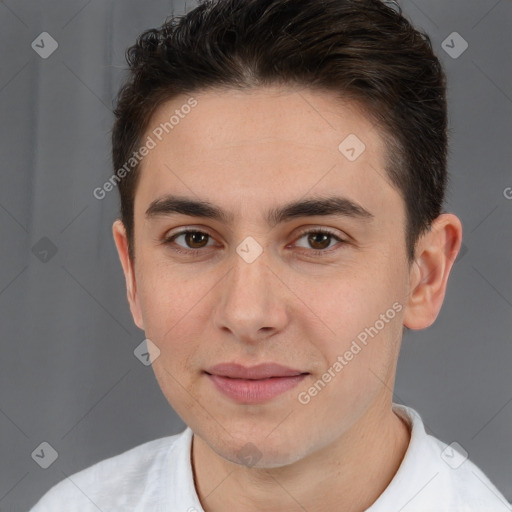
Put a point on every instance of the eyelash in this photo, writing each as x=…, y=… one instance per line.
x=312, y=252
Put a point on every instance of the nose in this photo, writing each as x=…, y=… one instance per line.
x=252, y=302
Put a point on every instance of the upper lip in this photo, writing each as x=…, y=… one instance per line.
x=260, y=371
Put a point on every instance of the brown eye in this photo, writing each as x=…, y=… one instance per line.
x=196, y=239
x=319, y=241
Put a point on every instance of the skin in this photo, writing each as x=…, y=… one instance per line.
x=247, y=152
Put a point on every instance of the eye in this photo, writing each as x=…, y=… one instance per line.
x=194, y=241
x=320, y=241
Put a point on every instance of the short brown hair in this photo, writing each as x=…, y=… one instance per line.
x=362, y=50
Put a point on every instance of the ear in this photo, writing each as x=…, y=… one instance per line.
x=121, y=241
x=435, y=255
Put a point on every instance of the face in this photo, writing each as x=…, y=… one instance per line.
x=318, y=290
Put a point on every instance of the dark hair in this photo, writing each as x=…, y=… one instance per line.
x=362, y=50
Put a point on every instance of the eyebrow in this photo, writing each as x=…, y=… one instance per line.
x=333, y=205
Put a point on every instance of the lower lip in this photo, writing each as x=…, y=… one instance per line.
x=254, y=391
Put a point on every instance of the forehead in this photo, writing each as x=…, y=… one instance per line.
x=266, y=145
x=302, y=117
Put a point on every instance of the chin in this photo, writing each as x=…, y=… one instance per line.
x=260, y=452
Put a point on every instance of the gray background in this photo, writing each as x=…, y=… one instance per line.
x=68, y=375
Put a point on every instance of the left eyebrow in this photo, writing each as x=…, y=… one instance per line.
x=334, y=205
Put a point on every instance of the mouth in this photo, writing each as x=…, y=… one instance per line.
x=255, y=384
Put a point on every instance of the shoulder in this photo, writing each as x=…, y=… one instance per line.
x=123, y=480
x=437, y=476
x=463, y=481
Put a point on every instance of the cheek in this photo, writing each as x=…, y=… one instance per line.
x=358, y=315
x=168, y=294
x=173, y=313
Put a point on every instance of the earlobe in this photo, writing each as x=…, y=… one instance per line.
x=121, y=241
x=435, y=255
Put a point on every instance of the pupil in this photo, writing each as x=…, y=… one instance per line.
x=322, y=235
x=191, y=236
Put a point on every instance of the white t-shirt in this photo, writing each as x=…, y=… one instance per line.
x=157, y=476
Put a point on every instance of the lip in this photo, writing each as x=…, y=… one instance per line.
x=260, y=371
x=254, y=384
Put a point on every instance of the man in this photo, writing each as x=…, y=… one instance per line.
x=282, y=170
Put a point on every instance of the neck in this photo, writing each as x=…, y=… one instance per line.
x=349, y=474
